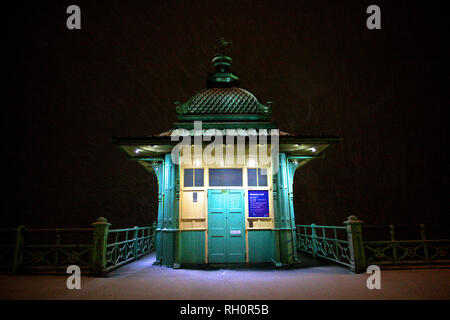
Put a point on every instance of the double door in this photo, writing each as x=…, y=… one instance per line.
x=226, y=226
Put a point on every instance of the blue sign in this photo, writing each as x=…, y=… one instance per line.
x=258, y=203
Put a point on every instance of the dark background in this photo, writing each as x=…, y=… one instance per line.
x=385, y=92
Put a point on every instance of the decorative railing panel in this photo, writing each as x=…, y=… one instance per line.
x=6, y=256
x=407, y=252
x=125, y=245
x=55, y=249
x=430, y=244
x=328, y=244
x=7, y=246
x=97, y=250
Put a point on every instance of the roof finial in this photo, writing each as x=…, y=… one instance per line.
x=222, y=44
x=222, y=77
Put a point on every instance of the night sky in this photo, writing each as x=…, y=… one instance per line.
x=385, y=92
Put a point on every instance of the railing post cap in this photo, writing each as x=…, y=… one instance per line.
x=352, y=219
x=101, y=221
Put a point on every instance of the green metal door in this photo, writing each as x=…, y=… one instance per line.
x=217, y=227
x=226, y=226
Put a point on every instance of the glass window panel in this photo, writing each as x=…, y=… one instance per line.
x=251, y=176
x=198, y=177
x=262, y=177
x=225, y=177
x=188, y=177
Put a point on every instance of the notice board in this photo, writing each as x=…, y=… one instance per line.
x=258, y=203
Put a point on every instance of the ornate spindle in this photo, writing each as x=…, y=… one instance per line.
x=394, y=245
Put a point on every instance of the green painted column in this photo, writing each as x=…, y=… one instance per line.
x=283, y=223
x=176, y=222
x=170, y=212
x=158, y=169
x=276, y=232
x=292, y=166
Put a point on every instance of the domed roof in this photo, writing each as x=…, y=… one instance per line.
x=223, y=101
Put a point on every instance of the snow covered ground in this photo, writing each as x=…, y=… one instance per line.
x=315, y=280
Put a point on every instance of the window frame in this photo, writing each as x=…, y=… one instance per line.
x=227, y=187
x=257, y=177
x=193, y=187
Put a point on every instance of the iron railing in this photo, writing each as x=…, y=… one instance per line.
x=357, y=246
x=57, y=253
x=407, y=252
x=7, y=248
x=95, y=250
x=44, y=249
x=128, y=245
x=328, y=244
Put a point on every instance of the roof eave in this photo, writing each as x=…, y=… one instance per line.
x=223, y=117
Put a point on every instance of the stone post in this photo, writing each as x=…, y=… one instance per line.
x=101, y=228
x=18, y=249
x=354, y=233
x=153, y=237
x=136, y=243
x=314, y=239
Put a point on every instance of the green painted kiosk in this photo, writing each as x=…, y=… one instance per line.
x=225, y=191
